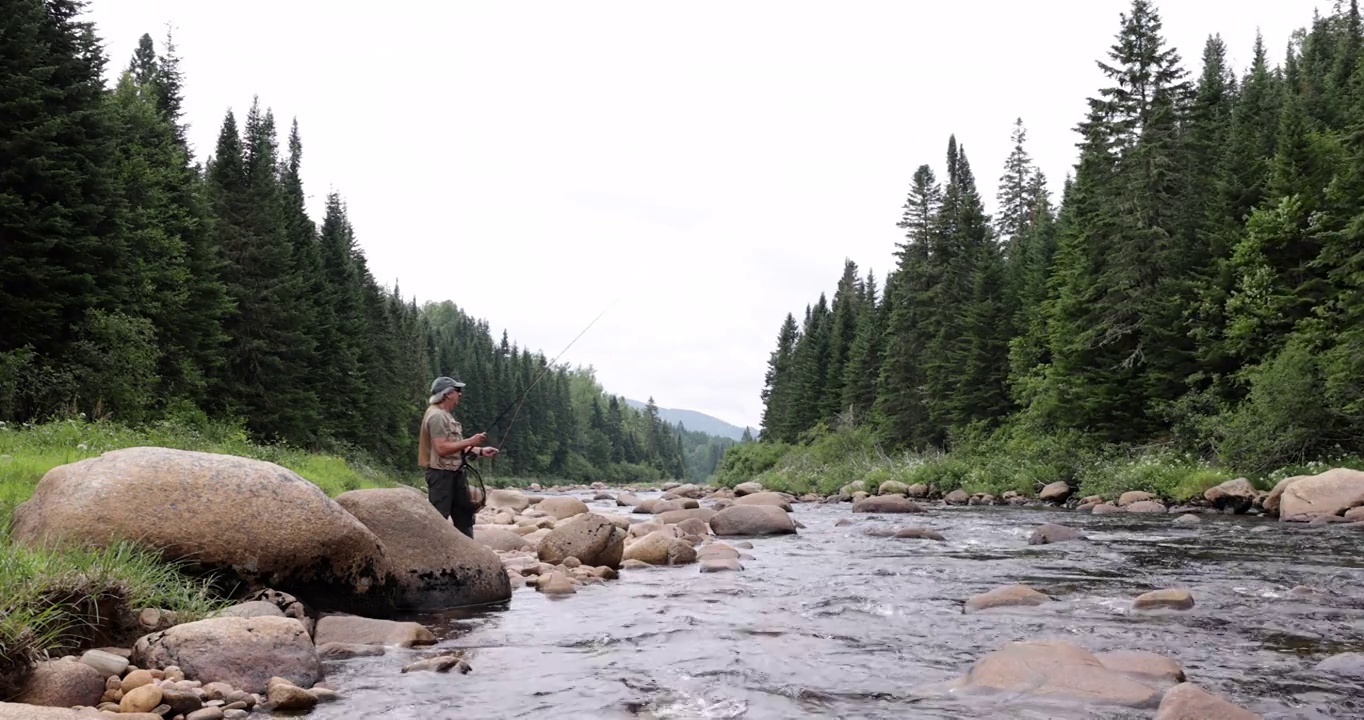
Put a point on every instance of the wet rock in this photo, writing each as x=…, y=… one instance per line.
x=711, y=565
x=1235, y=496
x=1054, y=669
x=1135, y=496
x=1168, y=599
x=1057, y=492
x=627, y=499
x=555, y=583
x=1005, y=596
x=694, y=526
x=1144, y=666
x=1052, y=533
x=1187, y=701
x=917, y=533
x=752, y=520
x=440, y=664
x=243, y=652
x=180, y=701
x=887, y=504
x=748, y=488
x=1188, y=521
x=661, y=548
x=1107, y=509
x=717, y=551
x=892, y=487
x=285, y=696
x=1146, y=506
x=1355, y=514
x=665, y=506
x=562, y=507
x=633, y=564
x=957, y=497
x=689, y=491
x=766, y=498
x=1350, y=665
x=1331, y=493
x=63, y=683
x=917, y=490
x=673, y=517
x=208, y=713
x=345, y=651
x=354, y=630
x=982, y=499
x=282, y=531
x=590, y=538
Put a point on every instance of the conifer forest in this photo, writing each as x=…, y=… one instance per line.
x=1197, y=285
x=140, y=285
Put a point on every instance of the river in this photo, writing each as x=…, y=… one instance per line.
x=836, y=623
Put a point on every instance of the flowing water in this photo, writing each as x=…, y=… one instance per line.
x=834, y=622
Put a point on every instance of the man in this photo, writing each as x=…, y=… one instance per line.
x=442, y=449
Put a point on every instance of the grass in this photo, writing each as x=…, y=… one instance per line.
x=828, y=461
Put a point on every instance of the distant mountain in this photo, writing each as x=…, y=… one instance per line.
x=695, y=421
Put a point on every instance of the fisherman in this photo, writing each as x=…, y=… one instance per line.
x=443, y=450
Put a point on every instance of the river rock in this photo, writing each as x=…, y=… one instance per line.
x=1147, y=667
x=853, y=487
x=694, y=526
x=747, y=488
x=1146, y=506
x=662, y=548
x=354, y=630
x=1135, y=496
x=673, y=517
x=1168, y=599
x=253, y=522
x=242, y=652
x=1187, y=701
x=892, y=487
x=181, y=701
x=917, y=490
x=208, y=713
x=105, y=663
x=1005, y=596
x=1055, y=669
x=562, y=507
x=1107, y=509
x=1052, y=533
x=440, y=664
x=507, y=498
x=346, y=651
x=1233, y=495
x=140, y=700
x=500, y=540
x=253, y=608
x=887, y=504
x=1056, y=492
x=555, y=583
x=1328, y=494
x=1350, y=665
x=917, y=533
x=432, y=565
x=285, y=696
x=766, y=498
x=957, y=497
x=717, y=551
x=665, y=506
x=63, y=683
x=752, y=520
x=627, y=499
x=711, y=565
x=590, y=538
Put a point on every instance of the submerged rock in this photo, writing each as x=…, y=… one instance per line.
x=1168, y=599
x=1187, y=701
x=1054, y=669
x=1005, y=596
x=1052, y=533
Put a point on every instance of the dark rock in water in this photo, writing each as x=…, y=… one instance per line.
x=1052, y=533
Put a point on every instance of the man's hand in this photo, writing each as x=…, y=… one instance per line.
x=478, y=439
x=488, y=451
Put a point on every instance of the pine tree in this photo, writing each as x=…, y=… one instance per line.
x=843, y=328
x=811, y=367
x=864, y=358
x=780, y=392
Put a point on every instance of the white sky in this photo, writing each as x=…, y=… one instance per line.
x=705, y=165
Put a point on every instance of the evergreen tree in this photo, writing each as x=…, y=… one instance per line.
x=780, y=389
x=843, y=328
x=864, y=358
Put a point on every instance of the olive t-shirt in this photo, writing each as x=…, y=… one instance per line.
x=437, y=424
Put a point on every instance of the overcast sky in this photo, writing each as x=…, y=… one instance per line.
x=706, y=166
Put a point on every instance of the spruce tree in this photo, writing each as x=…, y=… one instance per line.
x=843, y=328
x=864, y=358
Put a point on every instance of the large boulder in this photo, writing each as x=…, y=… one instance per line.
x=63, y=683
x=661, y=548
x=591, y=538
x=252, y=522
x=673, y=517
x=242, y=652
x=432, y=565
x=508, y=498
x=1056, y=492
x=752, y=520
x=1330, y=493
x=886, y=504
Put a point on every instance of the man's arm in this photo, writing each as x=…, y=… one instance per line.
x=445, y=446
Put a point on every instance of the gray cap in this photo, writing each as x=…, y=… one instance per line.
x=442, y=387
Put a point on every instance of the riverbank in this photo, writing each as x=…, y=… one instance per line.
x=996, y=466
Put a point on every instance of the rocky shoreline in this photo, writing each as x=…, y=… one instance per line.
x=270, y=651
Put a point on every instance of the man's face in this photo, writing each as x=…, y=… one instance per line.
x=453, y=397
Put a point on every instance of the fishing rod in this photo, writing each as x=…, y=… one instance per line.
x=483, y=491
x=519, y=401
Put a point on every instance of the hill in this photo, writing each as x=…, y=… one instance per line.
x=695, y=421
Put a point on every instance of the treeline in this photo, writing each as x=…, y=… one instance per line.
x=1198, y=285
x=137, y=284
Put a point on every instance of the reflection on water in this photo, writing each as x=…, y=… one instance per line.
x=836, y=623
